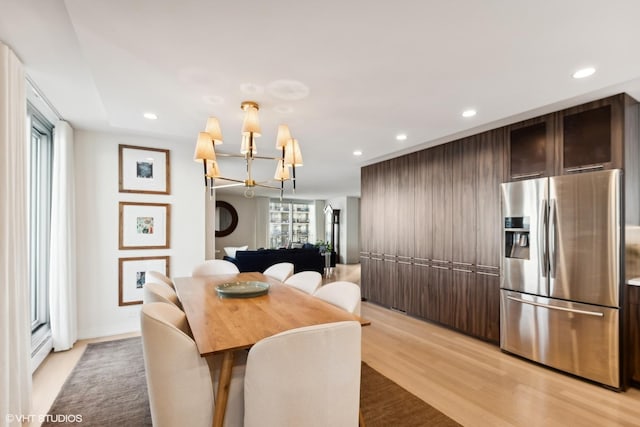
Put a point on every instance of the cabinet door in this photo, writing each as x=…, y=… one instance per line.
x=393, y=217
x=464, y=154
x=423, y=208
x=419, y=297
x=490, y=174
x=405, y=209
x=378, y=286
x=590, y=136
x=486, y=314
x=441, y=187
x=366, y=275
x=633, y=311
x=530, y=148
x=366, y=209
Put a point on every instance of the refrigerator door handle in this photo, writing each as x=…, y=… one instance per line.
x=553, y=307
x=553, y=218
x=542, y=246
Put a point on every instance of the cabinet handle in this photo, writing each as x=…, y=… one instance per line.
x=585, y=168
x=403, y=257
x=488, y=266
x=527, y=175
x=421, y=265
x=422, y=259
x=464, y=270
x=441, y=268
x=389, y=260
x=462, y=263
x=404, y=262
x=439, y=260
x=488, y=274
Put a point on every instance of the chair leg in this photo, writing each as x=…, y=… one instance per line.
x=360, y=419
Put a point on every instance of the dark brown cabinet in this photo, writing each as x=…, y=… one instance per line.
x=490, y=173
x=633, y=306
x=590, y=136
x=584, y=138
x=431, y=220
x=531, y=148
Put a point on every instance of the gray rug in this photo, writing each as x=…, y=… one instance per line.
x=108, y=388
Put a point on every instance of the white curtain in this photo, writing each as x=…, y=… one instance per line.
x=15, y=331
x=62, y=275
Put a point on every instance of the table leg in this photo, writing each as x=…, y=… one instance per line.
x=223, y=389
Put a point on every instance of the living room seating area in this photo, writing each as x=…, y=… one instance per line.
x=303, y=259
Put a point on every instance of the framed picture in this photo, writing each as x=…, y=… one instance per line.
x=143, y=170
x=144, y=225
x=131, y=276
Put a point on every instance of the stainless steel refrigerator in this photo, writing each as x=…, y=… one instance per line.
x=560, y=289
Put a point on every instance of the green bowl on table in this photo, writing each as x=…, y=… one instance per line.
x=248, y=289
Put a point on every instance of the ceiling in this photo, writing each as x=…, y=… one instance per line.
x=344, y=75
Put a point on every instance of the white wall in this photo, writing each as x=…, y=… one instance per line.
x=253, y=223
x=97, y=197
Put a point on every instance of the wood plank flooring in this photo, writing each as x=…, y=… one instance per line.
x=471, y=381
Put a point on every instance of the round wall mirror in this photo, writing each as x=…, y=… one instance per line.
x=226, y=218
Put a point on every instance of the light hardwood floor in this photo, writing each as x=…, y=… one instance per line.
x=471, y=381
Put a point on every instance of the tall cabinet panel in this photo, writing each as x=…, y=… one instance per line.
x=366, y=229
x=442, y=206
x=406, y=230
x=423, y=206
x=463, y=196
x=489, y=175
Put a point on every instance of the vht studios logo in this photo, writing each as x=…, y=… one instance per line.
x=48, y=418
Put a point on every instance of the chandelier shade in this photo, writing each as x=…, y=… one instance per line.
x=204, y=147
x=292, y=154
x=213, y=129
x=289, y=153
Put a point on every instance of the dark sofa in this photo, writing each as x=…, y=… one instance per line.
x=260, y=260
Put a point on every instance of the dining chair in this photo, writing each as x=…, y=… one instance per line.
x=159, y=292
x=306, y=281
x=156, y=276
x=345, y=295
x=308, y=377
x=280, y=271
x=213, y=267
x=180, y=383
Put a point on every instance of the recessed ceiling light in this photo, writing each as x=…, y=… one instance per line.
x=401, y=137
x=468, y=113
x=584, y=72
x=150, y=116
x=357, y=153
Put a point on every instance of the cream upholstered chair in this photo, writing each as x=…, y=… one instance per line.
x=179, y=380
x=157, y=277
x=213, y=267
x=305, y=377
x=307, y=281
x=280, y=271
x=159, y=292
x=345, y=295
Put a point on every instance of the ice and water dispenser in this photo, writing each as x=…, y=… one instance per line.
x=516, y=237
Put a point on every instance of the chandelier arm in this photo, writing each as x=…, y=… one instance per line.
x=230, y=155
x=228, y=185
x=267, y=186
x=232, y=179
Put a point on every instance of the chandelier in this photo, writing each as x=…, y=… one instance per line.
x=291, y=156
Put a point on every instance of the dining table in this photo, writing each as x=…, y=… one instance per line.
x=224, y=325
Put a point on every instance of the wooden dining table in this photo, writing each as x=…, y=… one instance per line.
x=225, y=325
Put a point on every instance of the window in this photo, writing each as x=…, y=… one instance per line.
x=40, y=180
x=291, y=222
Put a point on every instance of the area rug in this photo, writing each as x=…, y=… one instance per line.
x=108, y=387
